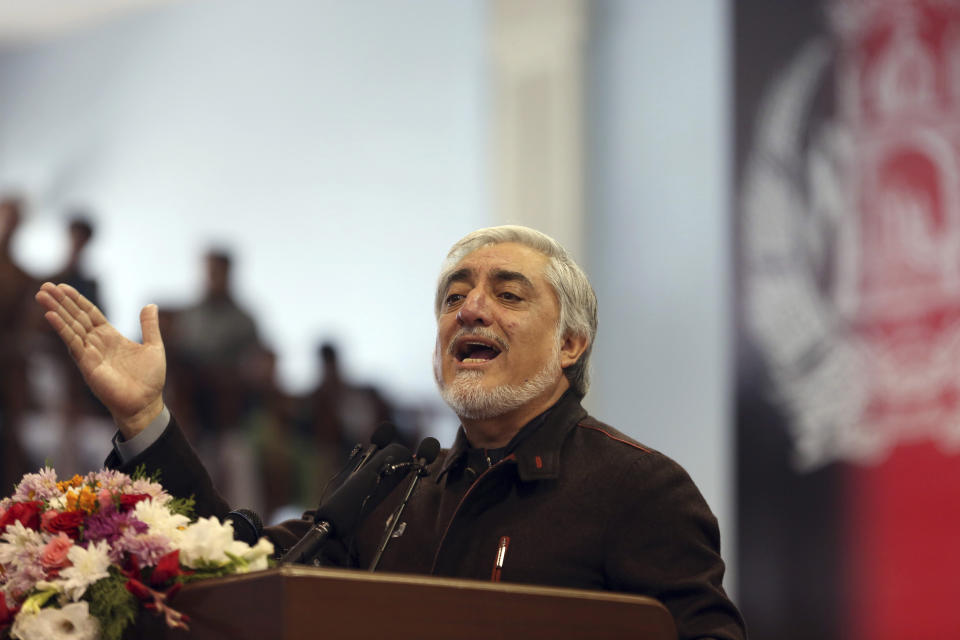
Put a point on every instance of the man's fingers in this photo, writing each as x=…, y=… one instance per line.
x=78, y=314
x=70, y=338
x=56, y=302
x=45, y=296
x=96, y=316
x=150, y=325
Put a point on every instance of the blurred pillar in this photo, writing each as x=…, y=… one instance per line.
x=537, y=114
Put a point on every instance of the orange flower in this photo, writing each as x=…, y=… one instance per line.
x=87, y=500
x=74, y=482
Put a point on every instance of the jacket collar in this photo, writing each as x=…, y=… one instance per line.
x=537, y=455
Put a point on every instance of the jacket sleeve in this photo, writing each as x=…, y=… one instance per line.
x=181, y=472
x=664, y=541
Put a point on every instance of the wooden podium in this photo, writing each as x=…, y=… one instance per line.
x=293, y=603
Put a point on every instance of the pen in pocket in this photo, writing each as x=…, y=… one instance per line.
x=498, y=560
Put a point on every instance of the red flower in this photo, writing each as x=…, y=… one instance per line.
x=129, y=500
x=67, y=522
x=27, y=513
x=6, y=615
x=132, y=567
x=168, y=568
x=139, y=589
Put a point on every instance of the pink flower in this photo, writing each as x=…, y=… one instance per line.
x=54, y=554
x=105, y=497
x=46, y=517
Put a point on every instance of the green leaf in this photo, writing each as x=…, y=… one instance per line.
x=183, y=507
x=112, y=605
x=207, y=572
x=140, y=473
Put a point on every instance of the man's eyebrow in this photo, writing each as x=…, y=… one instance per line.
x=460, y=275
x=466, y=274
x=503, y=275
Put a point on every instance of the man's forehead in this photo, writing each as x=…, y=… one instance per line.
x=505, y=256
x=506, y=261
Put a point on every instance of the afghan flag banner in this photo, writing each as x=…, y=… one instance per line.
x=847, y=235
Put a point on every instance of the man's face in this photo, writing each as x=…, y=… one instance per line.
x=497, y=340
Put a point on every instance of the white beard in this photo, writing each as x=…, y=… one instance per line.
x=468, y=399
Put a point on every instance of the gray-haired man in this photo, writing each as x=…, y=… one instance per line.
x=533, y=490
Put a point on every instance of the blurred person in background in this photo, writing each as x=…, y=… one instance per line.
x=78, y=402
x=15, y=331
x=334, y=416
x=80, y=232
x=214, y=343
x=268, y=429
x=533, y=487
x=343, y=412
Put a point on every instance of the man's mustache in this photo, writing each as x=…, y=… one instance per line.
x=480, y=332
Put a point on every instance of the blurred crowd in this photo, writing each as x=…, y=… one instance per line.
x=269, y=450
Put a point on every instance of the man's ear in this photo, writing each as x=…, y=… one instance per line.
x=572, y=348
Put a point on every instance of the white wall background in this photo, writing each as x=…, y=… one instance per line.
x=339, y=148
x=659, y=133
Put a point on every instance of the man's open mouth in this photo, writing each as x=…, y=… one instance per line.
x=473, y=351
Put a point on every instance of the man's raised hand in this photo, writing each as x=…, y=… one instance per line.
x=126, y=376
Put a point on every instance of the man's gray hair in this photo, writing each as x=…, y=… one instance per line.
x=578, y=302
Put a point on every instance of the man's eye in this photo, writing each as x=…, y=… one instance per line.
x=453, y=299
x=510, y=297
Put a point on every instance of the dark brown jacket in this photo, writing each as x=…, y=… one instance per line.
x=583, y=506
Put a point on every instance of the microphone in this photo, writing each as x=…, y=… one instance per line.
x=247, y=525
x=340, y=514
x=384, y=434
x=426, y=453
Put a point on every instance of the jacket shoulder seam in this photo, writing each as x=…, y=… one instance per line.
x=599, y=429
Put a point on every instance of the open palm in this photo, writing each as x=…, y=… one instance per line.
x=126, y=376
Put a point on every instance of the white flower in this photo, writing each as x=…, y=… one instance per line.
x=28, y=626
x=204, y=542
x=21, y=536
x=89, y=565
x=207, y=542
x=72, y=622
x=18, y=540
x=255, y=556
x=58, y=503
x=155, y=515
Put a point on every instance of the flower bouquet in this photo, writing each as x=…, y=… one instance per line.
x=79, y=557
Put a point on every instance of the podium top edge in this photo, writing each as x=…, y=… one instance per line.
x=299, y=571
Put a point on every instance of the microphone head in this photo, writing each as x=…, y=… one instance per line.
x=247, y=526
x=428, y=450
x=356, y=497
x=384, y=434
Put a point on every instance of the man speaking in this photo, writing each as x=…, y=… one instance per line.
x=533, y=490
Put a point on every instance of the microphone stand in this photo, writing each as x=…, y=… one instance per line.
x=339, y=515
x=421, y=471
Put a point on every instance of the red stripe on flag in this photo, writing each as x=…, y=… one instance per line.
x=904, y=546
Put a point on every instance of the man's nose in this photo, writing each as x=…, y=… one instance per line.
x=474, y=311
